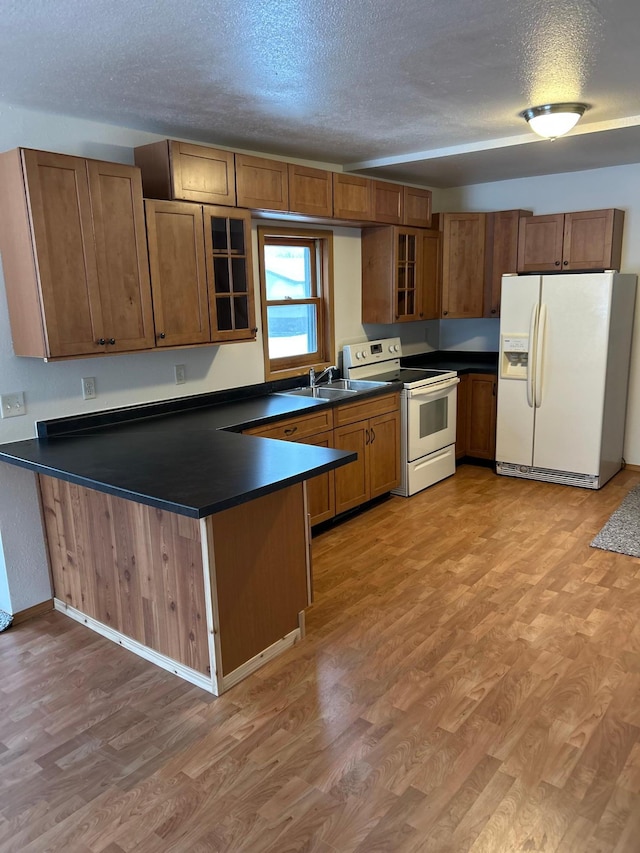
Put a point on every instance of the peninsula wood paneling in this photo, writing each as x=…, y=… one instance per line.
x=260, y=590
x=134, y=568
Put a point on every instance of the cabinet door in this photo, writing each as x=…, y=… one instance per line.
x=121, y=249
x=417, y=207
x=321, y=490
x=540, y=243
x=462, y=416
x=352, y=480
x=481, y=428
x=352, y=197
x=388, y=202
x=310, y=191
x=227, y=241
x=463, y=254
x=202, y=174
x=407, y=274
x=430, y=275
x=378, y=247
x=592, y=240
x=178, y=273
x=502, y=254
x=384, y=453
x=64, y=248
x=262, y=184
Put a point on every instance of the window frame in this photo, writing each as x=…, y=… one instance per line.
x=321, y=241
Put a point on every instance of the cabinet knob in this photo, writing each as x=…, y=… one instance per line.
x=162, y=336
x=565, y=263
x=444, y=313
x=367, y=437
x=111, y=341
x=290, y=430
x=101, y=342
x=373, y=435
x=557, y=263
x=494, y=310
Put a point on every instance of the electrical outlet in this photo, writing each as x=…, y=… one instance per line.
x=12, y=405
x=180, y=373
x=88, y=387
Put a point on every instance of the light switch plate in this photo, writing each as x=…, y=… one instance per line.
x=12, y=405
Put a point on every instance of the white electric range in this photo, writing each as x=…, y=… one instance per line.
x=427, y=409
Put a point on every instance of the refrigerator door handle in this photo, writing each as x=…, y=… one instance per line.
x=531, y=367
x=542, y=326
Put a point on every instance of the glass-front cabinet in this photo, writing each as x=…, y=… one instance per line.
x=407, y=307
x=227, y=235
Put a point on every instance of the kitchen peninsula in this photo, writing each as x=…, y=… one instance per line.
x=181, y=540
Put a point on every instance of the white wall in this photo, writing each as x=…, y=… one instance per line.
x=54, y=389
x=598, y=188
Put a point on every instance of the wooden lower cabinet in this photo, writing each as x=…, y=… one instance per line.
x=376, y=440
x=476, y=416
x=370, y=428
x=317, y=429
x=209, y=599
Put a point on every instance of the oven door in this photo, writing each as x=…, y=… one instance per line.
x=431, y=418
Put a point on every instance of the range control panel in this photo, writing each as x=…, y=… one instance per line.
x=371, y=352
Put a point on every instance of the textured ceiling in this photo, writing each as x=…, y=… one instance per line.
x=424, y=90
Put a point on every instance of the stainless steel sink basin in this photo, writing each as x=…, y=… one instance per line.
x=335, y=390
x=354, y=384
x=320, y=391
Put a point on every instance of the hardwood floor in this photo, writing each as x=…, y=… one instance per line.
x=470, y=681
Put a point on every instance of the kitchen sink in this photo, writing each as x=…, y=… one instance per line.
x=323, y=392
x=335, y=390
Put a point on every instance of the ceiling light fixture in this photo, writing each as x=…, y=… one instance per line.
x=553, y=120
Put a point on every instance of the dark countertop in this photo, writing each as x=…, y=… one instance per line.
x=180, y=455
x=462, y=362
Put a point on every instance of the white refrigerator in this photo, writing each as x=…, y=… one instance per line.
x=565, y=343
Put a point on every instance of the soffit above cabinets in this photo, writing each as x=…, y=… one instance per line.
x=416, y=91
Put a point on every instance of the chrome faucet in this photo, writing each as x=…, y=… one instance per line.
x=314, y=380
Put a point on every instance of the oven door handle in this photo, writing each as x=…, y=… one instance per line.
x=432, y=390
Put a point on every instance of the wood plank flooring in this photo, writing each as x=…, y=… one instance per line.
x=470, y=682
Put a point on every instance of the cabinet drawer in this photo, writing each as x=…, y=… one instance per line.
x=295, y=429
x=352, y=412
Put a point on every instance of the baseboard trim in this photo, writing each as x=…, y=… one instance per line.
x=261, y=658
x=32, y=612
x=632, y=467
x=179, y=669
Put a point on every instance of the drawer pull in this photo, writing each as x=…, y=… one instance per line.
x=290, y=430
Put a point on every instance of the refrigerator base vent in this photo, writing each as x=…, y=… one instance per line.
x=548, y=475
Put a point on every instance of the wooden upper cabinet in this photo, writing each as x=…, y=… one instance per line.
x=417, y=207
x=310, y=191
x=262, y=184
x=388, y=202
x=352, y=197
x=74, y=255
x=463, y=264
x=121, y=250
x=201, y=273
x=540, y=243
x=227, y=243
x=391, y=274
x=178, y=272
x=185, y=172
x=430, y=274
x=593, y=240
x=584, y=240
x=501, y=254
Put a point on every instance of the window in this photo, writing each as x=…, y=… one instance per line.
x=296, y=267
